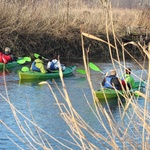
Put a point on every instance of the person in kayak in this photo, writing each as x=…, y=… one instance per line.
x=7, y=56
x=53, y=65
x=38, y=65
x=111, y=81
x=129, y=79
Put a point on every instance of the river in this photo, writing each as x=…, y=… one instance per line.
x=37, y=103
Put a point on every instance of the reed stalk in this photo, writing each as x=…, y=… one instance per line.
x=130, y=133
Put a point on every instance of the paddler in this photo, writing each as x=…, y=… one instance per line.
x=111, y=81
x=38, y=65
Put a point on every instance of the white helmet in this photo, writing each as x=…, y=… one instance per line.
x=7, y=50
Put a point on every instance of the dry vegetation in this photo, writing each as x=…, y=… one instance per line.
x=45, y=26
x=130, y=132
x=133, y=134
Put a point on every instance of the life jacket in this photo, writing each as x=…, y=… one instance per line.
x=107, y=83
x=53, y=65
x=6, y=58
x=129, y=80
x=123, y=84
x=34, y=68
x=1, y=61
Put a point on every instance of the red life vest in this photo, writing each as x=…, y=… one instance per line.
x=1, y=57
x=6, y=58
x=123, y=84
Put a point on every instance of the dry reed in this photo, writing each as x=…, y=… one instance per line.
x=27, y=25
x=130, y=134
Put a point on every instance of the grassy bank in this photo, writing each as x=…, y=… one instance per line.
x=46, y=27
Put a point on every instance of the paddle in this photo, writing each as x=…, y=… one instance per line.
x=95, y=68
x=23, y=60
x=82, y=71
x=92, y=66
x=37, y=55
x=28, y=59
x=24, y=69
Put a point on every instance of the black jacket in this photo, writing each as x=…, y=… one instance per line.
x=114, y=82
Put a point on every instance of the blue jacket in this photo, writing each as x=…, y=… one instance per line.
x=34, y=68
x=53, y=66
x=38, y=65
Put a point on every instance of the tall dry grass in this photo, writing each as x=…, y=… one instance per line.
x=27, y=26
x=132, y=133
x=40, y=17
x=44, y=16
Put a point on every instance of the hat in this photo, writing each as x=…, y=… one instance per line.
x=128, y=71
x=7, y=50
x=112, y=72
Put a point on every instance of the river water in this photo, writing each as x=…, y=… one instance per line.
x=37, y=103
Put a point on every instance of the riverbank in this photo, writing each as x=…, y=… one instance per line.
x=46, y=27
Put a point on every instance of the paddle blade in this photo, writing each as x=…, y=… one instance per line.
x=21, y=61
x=24, y=69
x=94, y=67
x=28, y=59
x=36, y=55
x=81, y=71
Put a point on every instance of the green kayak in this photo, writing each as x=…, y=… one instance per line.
x=9, y=65
x=13, y=64
x=31, y=75
x=112, y=93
